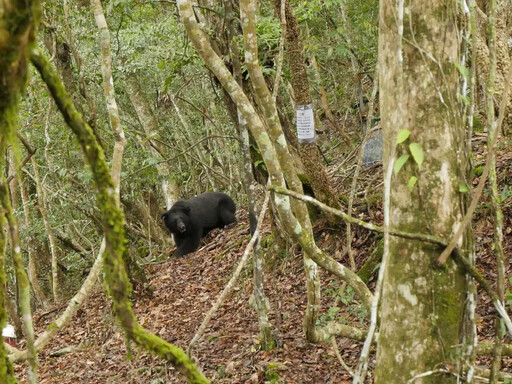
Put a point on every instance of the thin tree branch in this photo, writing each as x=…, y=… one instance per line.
x=229, y=287
x=361, y=223
x=478, y=192
x=30, y=152
x=185, y=151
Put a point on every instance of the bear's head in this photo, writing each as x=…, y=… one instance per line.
x=177, y=219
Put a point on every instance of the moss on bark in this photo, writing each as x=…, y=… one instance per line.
x=422, y=306
x=6, y=368
x=118, y=284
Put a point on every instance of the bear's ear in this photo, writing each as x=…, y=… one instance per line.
x=186, y=209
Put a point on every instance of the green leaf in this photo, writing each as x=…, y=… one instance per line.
x=417, y=153
x=503, y=329
x=412, y=182
x=402, y=136
x=463, y=188
x=400, y=163
x=463, y=70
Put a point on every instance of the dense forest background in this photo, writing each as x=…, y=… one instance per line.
x=375, y=250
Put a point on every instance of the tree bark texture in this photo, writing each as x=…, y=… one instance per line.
x=309, y=153
x=6, y=368
x=494, y=191
x=18, y=26
x=21, y=279
x=108, y=89
x=422, y=307
x=503, y=33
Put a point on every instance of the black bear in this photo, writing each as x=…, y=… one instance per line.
x=189, y=220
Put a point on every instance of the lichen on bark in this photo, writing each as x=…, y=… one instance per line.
x=422, y=306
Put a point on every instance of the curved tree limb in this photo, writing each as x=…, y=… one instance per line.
x=266, y=146
x=113, y=225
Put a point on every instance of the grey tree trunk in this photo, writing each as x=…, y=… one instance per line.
x=43, y=208
x=422, y=307
x=149, y=122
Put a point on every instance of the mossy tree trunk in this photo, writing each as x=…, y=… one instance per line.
x=309, y=153
x=18, y=26
x=108, y=89
x=498, y=47
x=6, y=368
x=113, y=116
x=113, y=225
x=422, y=307
x=22, y=279
x=494, y=192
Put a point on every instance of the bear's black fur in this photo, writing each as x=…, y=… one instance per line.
x=189, y=220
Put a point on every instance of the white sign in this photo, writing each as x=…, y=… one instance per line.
x=305, y=124
x=8, y=331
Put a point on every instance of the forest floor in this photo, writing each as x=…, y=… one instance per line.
x=181, y=290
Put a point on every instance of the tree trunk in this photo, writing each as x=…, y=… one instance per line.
x=32, y=247
x=309, y=153
x=502, y=55
x=108, y=89
x=6, y=368
x=149, y=123
x=21, y=279
x=43, y=208
x=422, y=307
x=18, y=25
x=261, y=303
x=495, y=196
x=13, y=315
